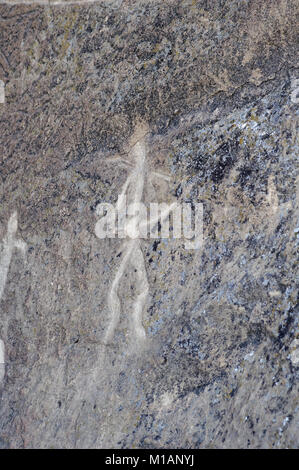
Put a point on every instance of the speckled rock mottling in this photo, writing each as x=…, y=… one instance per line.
x=217, y=83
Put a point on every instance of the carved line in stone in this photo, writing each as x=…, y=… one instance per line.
x=9, y=243
x=2, y=92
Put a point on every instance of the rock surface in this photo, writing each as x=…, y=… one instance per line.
x=216, y=83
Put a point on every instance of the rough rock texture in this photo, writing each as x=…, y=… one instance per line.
x=216, y=83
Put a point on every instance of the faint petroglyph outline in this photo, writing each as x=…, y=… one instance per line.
x=295, y=91
x=9, y=244
x=2, y=361
x=2, y=92
x=131, y=251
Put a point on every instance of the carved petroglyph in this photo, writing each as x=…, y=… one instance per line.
x=133, y=227
x=2, y=92
x=132, y=256
x=9, y=243
x=2, y=361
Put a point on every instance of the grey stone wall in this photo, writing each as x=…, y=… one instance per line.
x=216, y=84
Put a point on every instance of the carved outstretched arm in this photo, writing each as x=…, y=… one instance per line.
x=123, y=161
x=158, y=174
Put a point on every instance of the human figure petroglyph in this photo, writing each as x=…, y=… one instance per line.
x=133, y=226
x=9, y=243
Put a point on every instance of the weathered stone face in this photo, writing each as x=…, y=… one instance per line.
x=211, y=87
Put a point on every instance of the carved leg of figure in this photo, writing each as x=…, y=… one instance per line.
x=142, y=285
x=113, y=299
